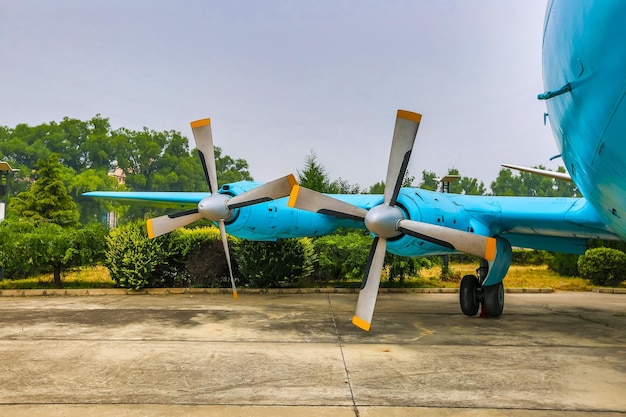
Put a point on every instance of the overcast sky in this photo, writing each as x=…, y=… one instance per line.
x=280, y=79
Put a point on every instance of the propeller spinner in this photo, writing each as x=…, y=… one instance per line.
x=217, y=207
x=387, y=221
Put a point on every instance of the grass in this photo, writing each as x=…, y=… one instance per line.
x=519, y=276
x=85, y=277
x=531, y=276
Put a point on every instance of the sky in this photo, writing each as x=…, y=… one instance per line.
x=281, y=79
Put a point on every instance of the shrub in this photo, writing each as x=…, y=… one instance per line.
x=132, y=258
x=528, y=257
x=564, y=263
x=205, y=262
x=401, y=267
x=266, y=264
x=603, y=266
x=341, y=256
x=31, y=247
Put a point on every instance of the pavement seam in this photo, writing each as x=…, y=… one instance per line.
x=343, y=358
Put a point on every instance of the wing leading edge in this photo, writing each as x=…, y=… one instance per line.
x=151, y=198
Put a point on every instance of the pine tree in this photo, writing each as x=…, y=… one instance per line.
x=47, y=199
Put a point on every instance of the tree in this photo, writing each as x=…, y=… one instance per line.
x=378, y=188
x=230, y=169
x=342, y=186
x=429, y=181
x=533, y=185
x=29, y=247
x=89, y=150
x=47, y=199
x=466, y=185
x=314, y=176
x=92, y=209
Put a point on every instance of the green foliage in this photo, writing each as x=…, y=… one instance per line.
x=314, y=176
x=465, y=185
x=378, y=188
x=533, y=185
x=132, y=258
x=267, y=264
x=47, y=199
x=603, y=266
x=91, y=209
x=564, y=263
x=149, y=160
x=341, y=256
x=528, y=257
x=449, y=274
x=204, y=260
x=429, y=181
x=401, y=267
x=182, y=258
x=31, y=247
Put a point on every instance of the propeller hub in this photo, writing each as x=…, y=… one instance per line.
x=214, y=207
x=382, y=221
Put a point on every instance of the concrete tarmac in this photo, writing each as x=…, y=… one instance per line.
x=560, y=354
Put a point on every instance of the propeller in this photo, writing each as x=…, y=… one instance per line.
x=217, y=207
x=387, y=221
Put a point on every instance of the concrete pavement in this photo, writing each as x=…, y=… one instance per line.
x=560, y=354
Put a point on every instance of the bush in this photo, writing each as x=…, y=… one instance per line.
x=603, y=266
x=182, y=258
x=134, y=260
x=564, y=263
x=267, y=264
x=341, y=256
x=31, y=247
x=401, y=267
x=528, y=257
x=205, y=263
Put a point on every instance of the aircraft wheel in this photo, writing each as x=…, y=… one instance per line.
x=494, y=299
x=468, y=296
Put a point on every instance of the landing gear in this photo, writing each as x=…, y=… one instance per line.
x=493, y=299
x=470, y=302
x=473, y=294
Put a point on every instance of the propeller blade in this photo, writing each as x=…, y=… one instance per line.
x=270, y=191
x=204, y=142
x=477, y=245
x=227, y=253
x=164, y=224
x=309, y=200
x=369, y=290
x=404, y=134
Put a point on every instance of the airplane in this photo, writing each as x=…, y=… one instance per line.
x=584, y=74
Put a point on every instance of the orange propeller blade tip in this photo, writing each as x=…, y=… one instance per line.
x=150, y=229
x=292, y=180
x=235, y=296
x=409, y=115
x=361, y=324
x=201, y=122
x=293, y=196
x=490, y=249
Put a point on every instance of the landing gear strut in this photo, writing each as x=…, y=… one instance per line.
x=473, y=294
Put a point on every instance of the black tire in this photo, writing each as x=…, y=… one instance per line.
x=468, y=296
x=493, y=299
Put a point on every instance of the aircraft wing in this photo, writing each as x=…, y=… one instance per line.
x=151, y=198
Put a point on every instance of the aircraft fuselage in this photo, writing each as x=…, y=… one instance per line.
x=584, y=48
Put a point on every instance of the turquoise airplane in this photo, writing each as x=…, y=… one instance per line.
x=584, y=67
